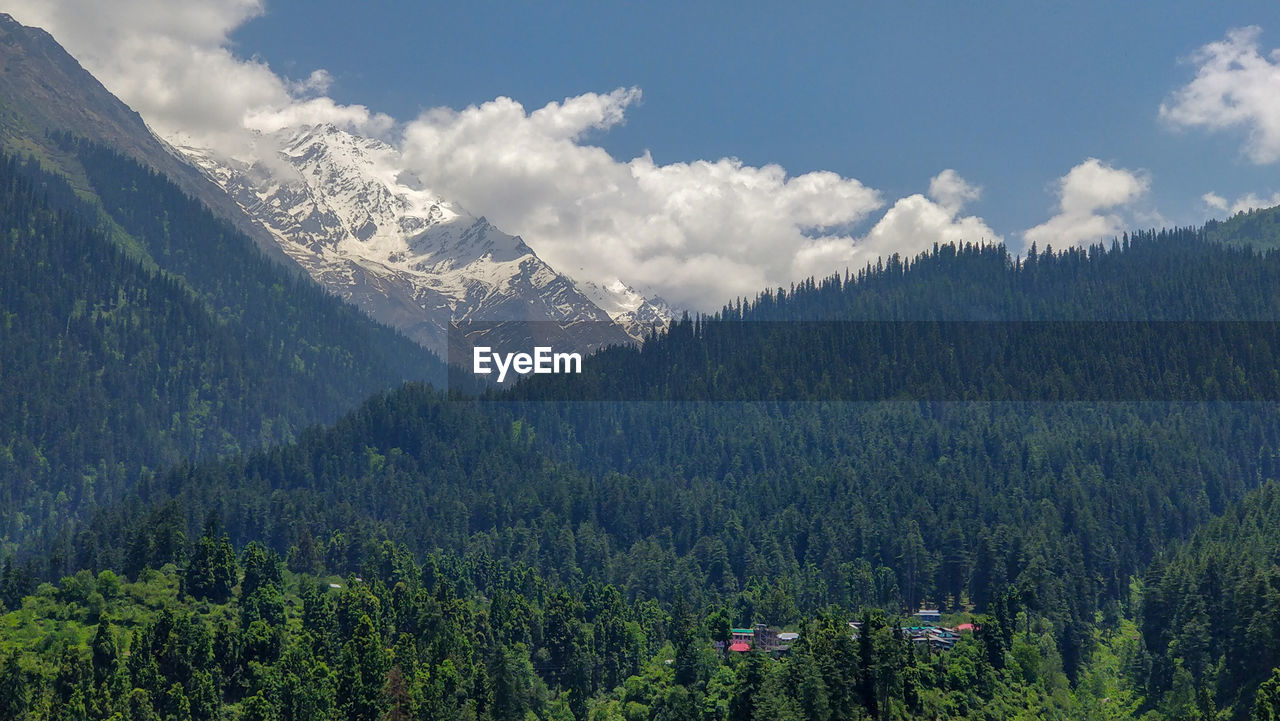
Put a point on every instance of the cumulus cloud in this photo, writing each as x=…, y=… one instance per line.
x=699, y=233
x=318, y=82
x=951, y=191
x=1215, y=201
x=1089, y=196
x=171, y=62
x=1243, y=204
x=916, y=222
x=1236, y=86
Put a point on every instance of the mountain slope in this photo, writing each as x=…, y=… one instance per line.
x=1143, y=319
x=44, y=90
x=110, y=366
x=1257, y=228
x=889, y=504
x=1211, y=609
x=636, y=313
x=440, y=637
x=342, y=207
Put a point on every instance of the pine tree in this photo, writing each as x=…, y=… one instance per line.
x=261, y=566
x=362, y=673
x=1266, y=703
x=15, y=690
x=212, y=572
x=751, y=683
x=684, y=638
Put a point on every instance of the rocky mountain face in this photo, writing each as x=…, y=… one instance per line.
x=636, y=313
x=342, y=207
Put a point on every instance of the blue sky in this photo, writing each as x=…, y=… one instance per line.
x=703, y=150
x=1011, y=96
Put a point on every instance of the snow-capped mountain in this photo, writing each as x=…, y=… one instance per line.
x=636, y=313
x=344, y=209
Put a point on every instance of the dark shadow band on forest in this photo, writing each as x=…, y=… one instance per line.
x=923, y=361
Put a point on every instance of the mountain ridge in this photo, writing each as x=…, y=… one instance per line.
x=44, y=90
x=342, y=207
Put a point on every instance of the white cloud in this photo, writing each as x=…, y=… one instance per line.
x=1236, y=86
x=1243, y=204
x=318, y=82
x=916, y=222
x=171, y=62
x=951, y=191
x=1215, y=201
x=699, y=233
x=1085, y=195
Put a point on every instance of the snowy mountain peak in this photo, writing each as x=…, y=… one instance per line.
x=345, y=209
x=636, y=313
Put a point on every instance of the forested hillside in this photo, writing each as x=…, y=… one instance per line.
x=188, y=345
x=1153, y=317
x=806, y=515
x=1255, y=228
x=46, y=95
x=886, y=505
x=241, y=637
x=1174, y=275
x=889, y=505
x=1211, y=610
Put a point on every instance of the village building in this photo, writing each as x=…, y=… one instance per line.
x=759, y=638
x=929, y=615
x=766, y=639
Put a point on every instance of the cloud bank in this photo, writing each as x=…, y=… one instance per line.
x=1090, y=197
x=699, y=233
x=1236, y=86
